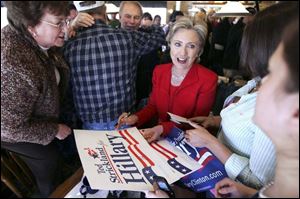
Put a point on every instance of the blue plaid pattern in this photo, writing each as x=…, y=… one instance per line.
x=103, y=63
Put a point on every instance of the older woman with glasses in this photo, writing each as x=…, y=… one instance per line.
x=33, y=79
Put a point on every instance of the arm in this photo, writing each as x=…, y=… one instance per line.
x=146, y=42
x=18, y=99
x=150, y=110
x=210, y=121
x=81, y=20
x=259, y=168
x=206, y=96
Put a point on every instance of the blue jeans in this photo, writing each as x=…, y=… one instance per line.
x=103, y=126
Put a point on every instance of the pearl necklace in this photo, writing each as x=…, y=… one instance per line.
x=176, y=79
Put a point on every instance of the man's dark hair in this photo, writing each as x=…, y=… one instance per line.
x=174, y=14
x=147, y=15
x=263, y=34
x=291, y=54
x=157, y=16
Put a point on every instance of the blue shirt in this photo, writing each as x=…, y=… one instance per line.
x=103, y=63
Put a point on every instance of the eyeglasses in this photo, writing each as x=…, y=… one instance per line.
x=60, y=25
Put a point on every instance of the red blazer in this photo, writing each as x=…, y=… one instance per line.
x=194, y=97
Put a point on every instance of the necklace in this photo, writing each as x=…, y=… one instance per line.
x=176, y=79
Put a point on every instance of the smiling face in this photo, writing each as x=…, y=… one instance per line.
x=50, y=31
x=185, y=48
x=130, y=17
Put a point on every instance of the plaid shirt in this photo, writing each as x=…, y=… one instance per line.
x=103, y=64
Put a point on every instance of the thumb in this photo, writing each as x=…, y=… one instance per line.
x=193, y=124
x=205, y=124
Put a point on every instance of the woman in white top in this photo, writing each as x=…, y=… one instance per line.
x=247, y=153
x=278, y=95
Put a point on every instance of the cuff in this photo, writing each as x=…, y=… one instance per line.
x=235, y=165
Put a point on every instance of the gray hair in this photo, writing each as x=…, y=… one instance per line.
x=186, y=23
x=136, y=3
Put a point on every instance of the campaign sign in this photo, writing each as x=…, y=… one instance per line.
x=211, y=170
x=124, y=160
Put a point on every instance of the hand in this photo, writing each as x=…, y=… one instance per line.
x=82, y=20
x=199, y=137
x=156, y=194
x=152, y=134
x=229, y=188
x=207, y=122
x=126, y=119
x=71, y=32
x=63, y=131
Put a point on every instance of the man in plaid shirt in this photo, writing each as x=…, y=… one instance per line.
x=103, y=63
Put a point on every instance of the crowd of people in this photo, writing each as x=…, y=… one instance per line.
x=82, y=70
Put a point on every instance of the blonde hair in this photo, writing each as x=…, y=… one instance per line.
x=186, y=23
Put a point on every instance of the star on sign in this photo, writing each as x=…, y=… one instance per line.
x=172, y=162
x=147, y=171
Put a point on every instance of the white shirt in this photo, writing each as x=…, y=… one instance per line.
x=253, y=159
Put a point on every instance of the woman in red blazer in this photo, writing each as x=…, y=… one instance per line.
x=181, y=87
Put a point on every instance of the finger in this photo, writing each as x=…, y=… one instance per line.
x=117, y=127
x=84, y=24
x=147, y=135
x=226, y=190
x=88, y=22
x=142, y=131
x=119, y=124
x=219, y=185
x=224, y=182
x=197, y=119
x=151, y=139
x=120, y=120
x=122, y=116
x=150, y=194
x=187, y=139
x=148, y=138
x=193, y=124
x=187, y=136
x=205, y=124
x=87, y=16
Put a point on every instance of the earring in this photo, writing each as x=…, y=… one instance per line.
x=34, y=35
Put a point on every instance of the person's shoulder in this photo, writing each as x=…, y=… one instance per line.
x=9, y=37
x=163, y=67
x=162, y=70
x=12, y=47
x=206, y=73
